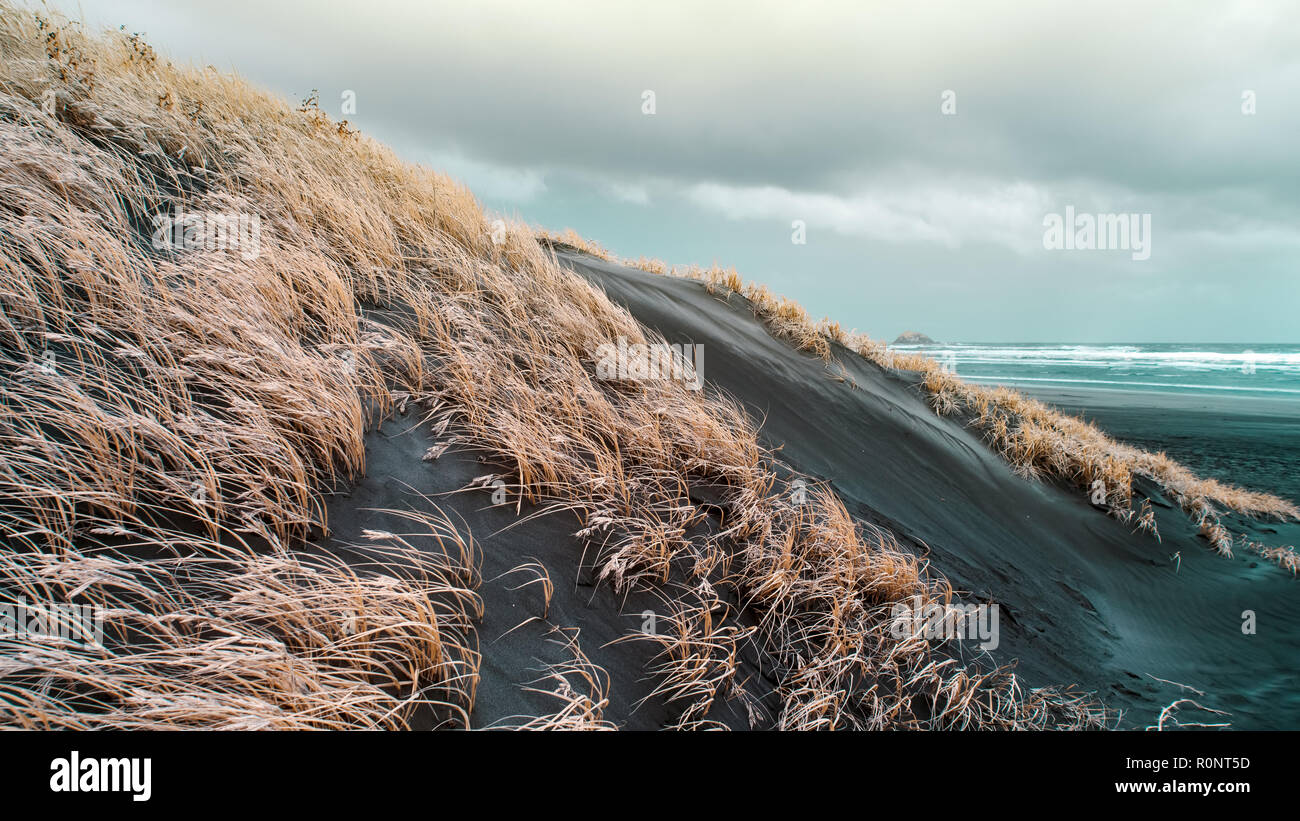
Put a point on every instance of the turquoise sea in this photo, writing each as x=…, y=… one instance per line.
x=1228, y=369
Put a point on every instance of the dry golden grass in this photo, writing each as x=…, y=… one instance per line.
x=170, y=464
x=223, y=638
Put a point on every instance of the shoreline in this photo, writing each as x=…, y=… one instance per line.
x=1108, y=397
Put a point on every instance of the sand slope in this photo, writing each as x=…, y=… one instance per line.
x=1083, y=599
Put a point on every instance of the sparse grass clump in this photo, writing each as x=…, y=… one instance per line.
x=578, y=685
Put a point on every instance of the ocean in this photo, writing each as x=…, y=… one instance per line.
x=1262, y=370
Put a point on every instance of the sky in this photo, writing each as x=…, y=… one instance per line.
x=921, y=151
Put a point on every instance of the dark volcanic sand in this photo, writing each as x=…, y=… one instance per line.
x=1082, y=599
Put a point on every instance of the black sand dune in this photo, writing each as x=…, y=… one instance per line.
x=1082, y=598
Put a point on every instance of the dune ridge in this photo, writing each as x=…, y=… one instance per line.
x=1036, y=440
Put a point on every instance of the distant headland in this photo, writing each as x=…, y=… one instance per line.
x=913, y=338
